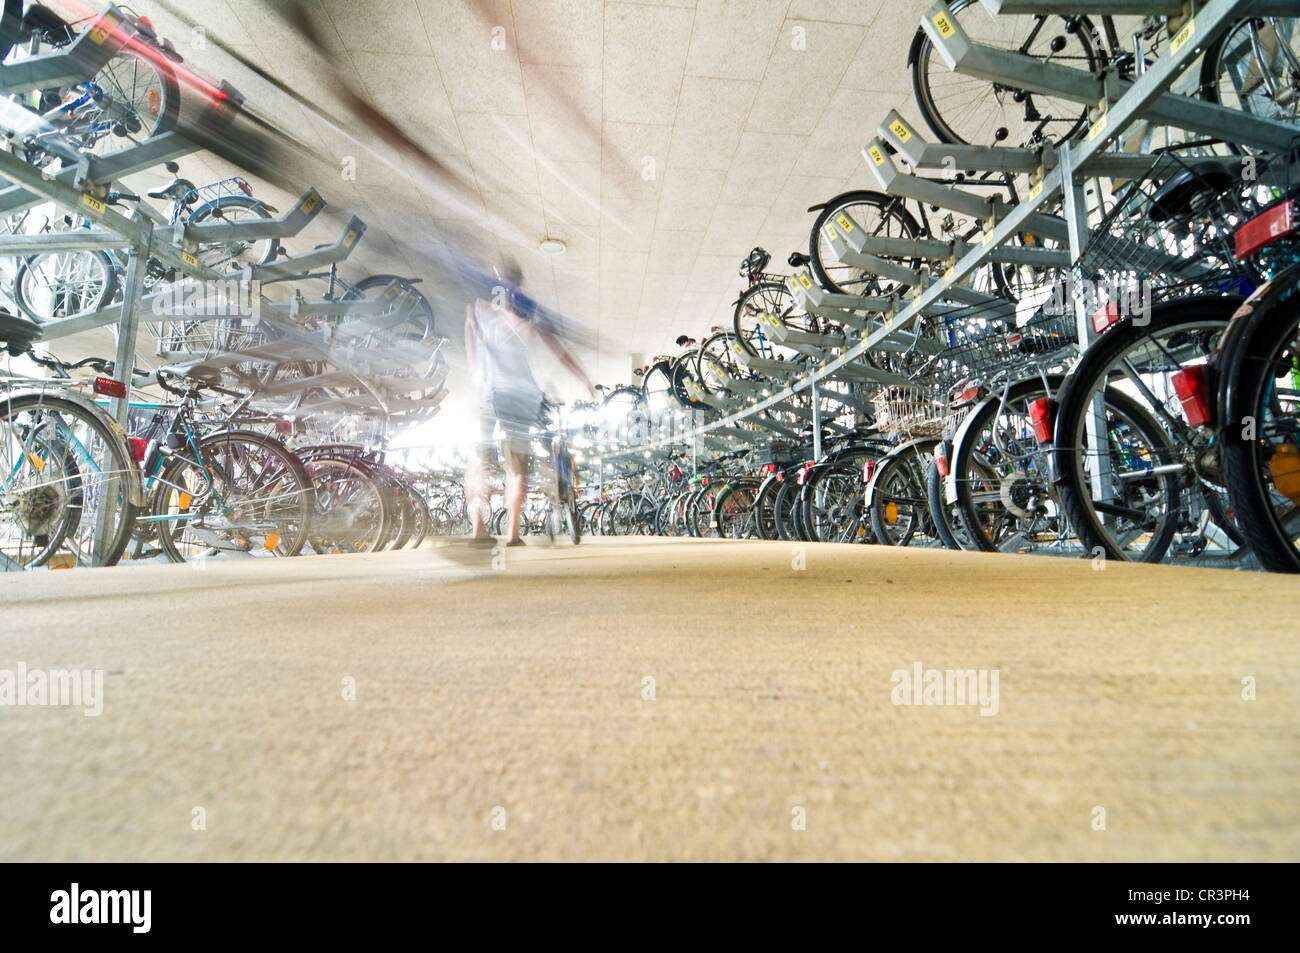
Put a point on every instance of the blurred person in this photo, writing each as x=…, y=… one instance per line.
x=499, y=334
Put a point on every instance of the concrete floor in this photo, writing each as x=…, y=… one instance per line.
x=509, y=712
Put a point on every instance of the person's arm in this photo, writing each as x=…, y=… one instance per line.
x=567, y=359
x=471, y=356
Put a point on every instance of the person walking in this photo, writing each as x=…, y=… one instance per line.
x=499, y=334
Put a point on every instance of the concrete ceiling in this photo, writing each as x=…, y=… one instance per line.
x=659, y=140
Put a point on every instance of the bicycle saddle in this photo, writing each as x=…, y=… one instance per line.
x=175, y=190
x=17, y=333
x=1174, y=199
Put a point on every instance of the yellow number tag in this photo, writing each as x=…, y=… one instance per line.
x=103, y=30
x=805, y=280
x=1183, y=36
x=877, y=156
x=949, y=274
x=92, y=203
x=829, y=230
x=1036, y=191
x=309, y=204
x=845, y=223
x=1097, y=128
x=793, y=283
x=189, y=259
x=946, y=29
x=350, y=238
x=898, y=129
x=988, y=237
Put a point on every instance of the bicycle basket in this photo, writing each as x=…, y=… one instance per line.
x=912, y=410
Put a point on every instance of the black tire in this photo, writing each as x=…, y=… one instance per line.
x=920, y=59
x=96, y=263
x=734, y=511
x=898, y=493
x=941, y=512
x=890, y=210
x=351, y=513
x=1260, y=348
x=1204, y=317
x=839, y=478
x=291, y=519
x=55, y=513
x=232, y=255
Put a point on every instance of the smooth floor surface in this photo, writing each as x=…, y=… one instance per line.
x=654, y=700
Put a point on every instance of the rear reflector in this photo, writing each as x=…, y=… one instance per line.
x=1264, y=229
x=868, y=466
x=767, y=468
x=1043, y=414
x=941, y=462
x=1105, y=317
x=139, y=447
x=284, y=427
x=109, y=387
x=1191, y=384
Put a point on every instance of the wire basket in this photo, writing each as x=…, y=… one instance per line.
x=985, y=342
x=912, y=410
x=1170, y=233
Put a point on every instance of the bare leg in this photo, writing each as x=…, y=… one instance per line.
x=516, y=490
x=477, y=499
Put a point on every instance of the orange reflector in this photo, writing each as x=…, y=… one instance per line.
x=1284, y=466
x=184, y=501
x=1191, y=384
x=891, y=512
x=272, y=541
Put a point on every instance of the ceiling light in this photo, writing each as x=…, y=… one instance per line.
x=552, y=246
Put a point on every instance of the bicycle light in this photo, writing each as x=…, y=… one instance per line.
x=1191, y=384
x=1043, y=416
x=109, y=387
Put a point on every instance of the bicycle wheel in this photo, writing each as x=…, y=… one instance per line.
x=245, y=493
x=964, y=109
x=233, y=255
x=898, y=498
x=767, y=298
x=1150, y=481
x=877, y=215
x=422, y=516
x=734, y=511
x=351, y=513
x=69, y=488
x=831, y=501
x=1255, y=67
x=54, y=285
x=139, y=98
x=942, y=513
x=1259, y=422
x=1000, y=476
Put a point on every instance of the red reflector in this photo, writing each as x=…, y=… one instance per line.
x=867, y=467
x=148, y=24
x=1265, y=228
x=704, y=481
x=780, y=477
x=139, y=446
x=768, y=468
x=1042, y=413
x=1191, y=386
x=285, y=427
x=109, y=387
x=1104, y=318
x=1014, y=338
x=941, y=462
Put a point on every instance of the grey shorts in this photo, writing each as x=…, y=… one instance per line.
x=518, y=443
